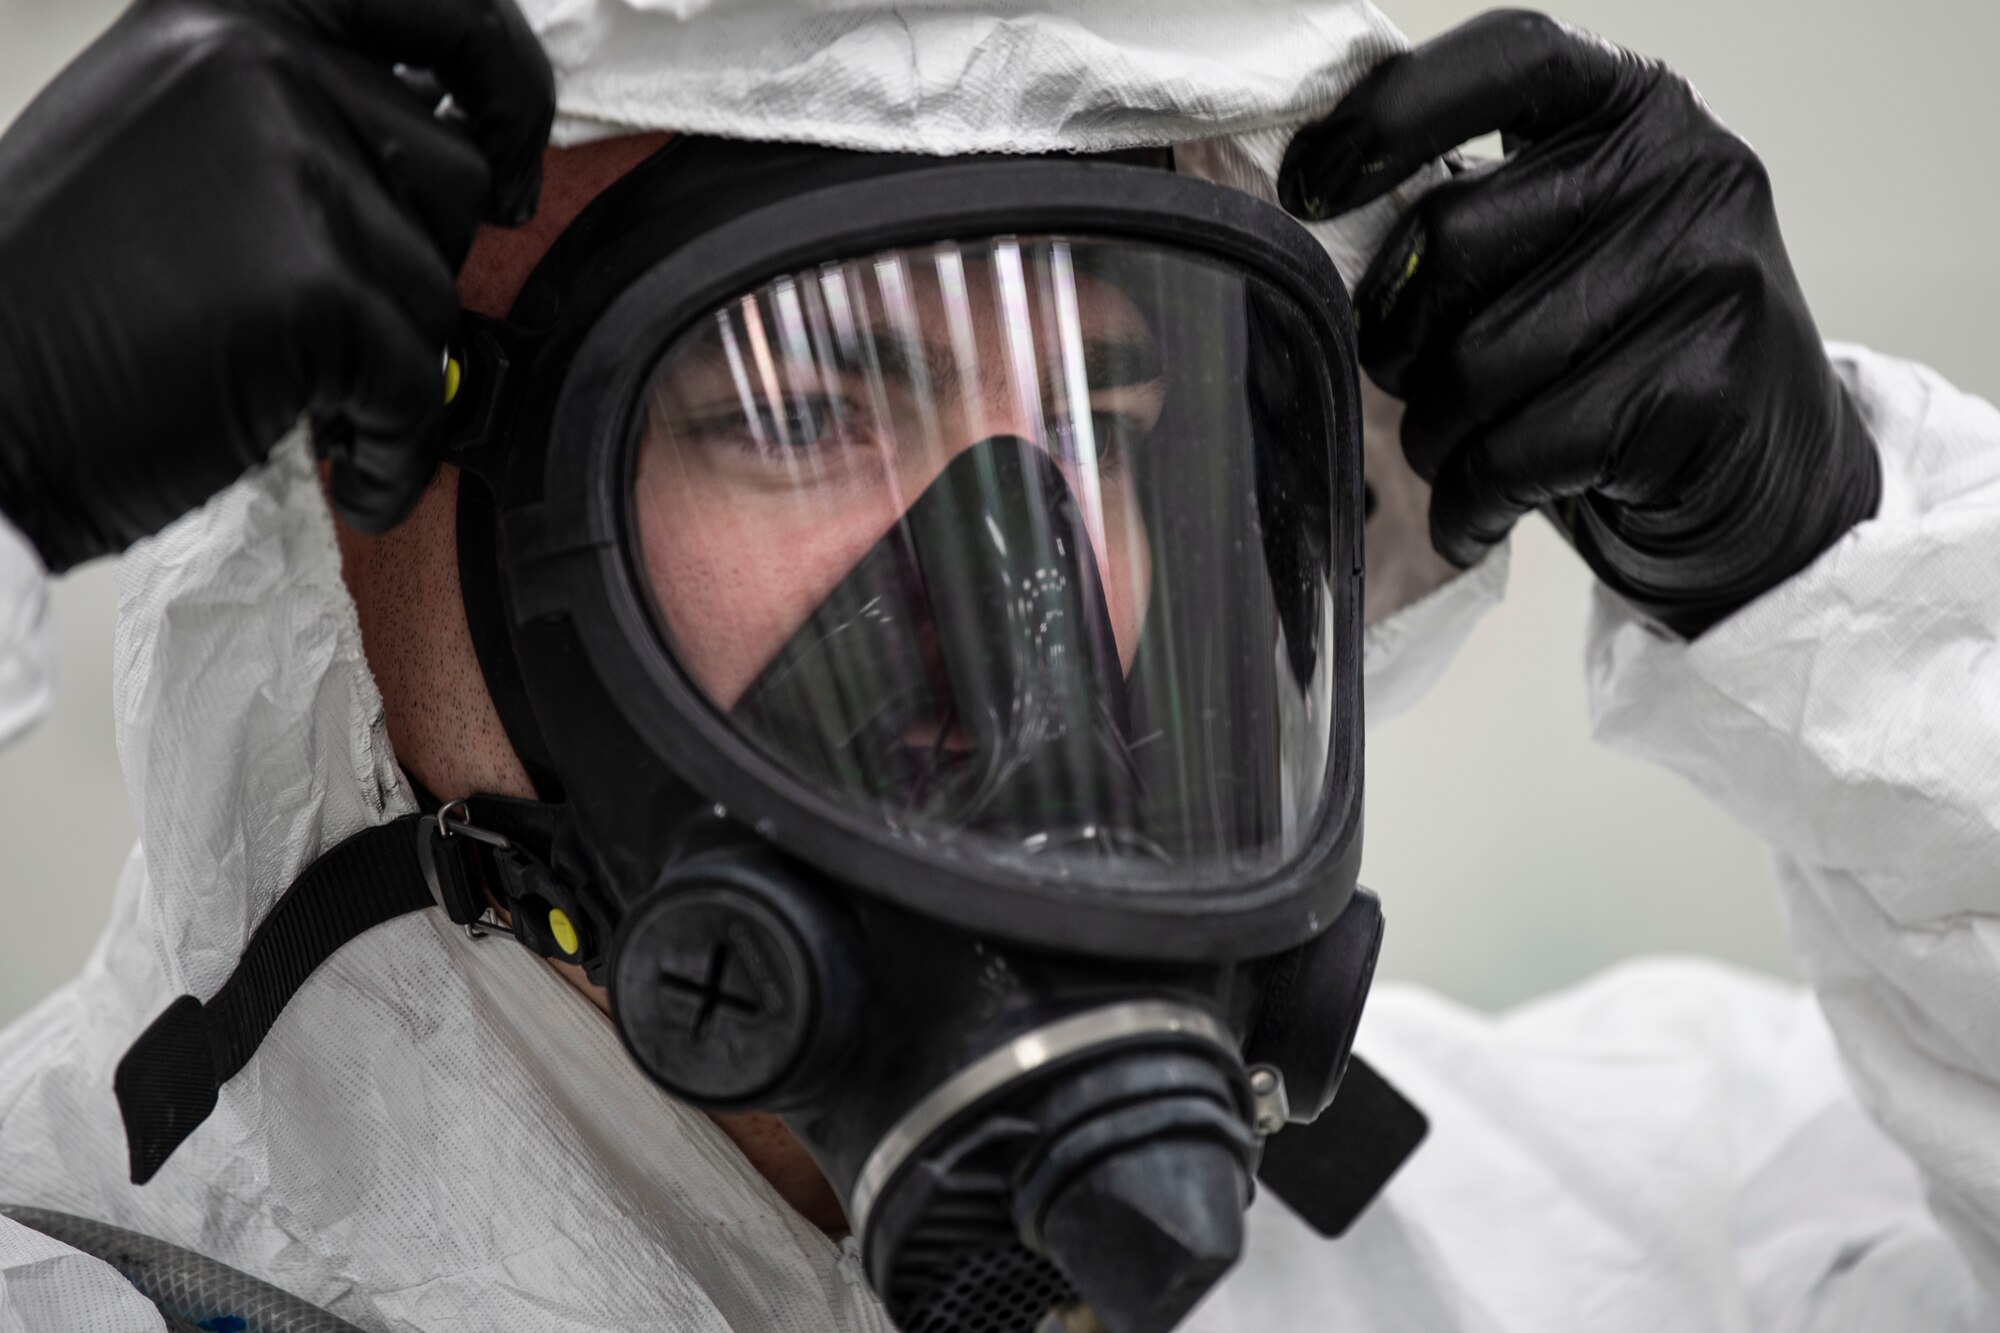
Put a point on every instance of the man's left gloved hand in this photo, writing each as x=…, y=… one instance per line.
x=1605, y=324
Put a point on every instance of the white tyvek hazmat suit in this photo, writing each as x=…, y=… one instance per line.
x=440, y=1135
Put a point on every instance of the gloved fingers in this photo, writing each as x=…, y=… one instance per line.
x=379, y=371
x=1608, y=289
x=1434, y=426
x=1481, y=492
x=1533, y=338
x=485, y=54
x=1454, y=392
x=1462, y=246
x=1521, y=73
x=433, y=170
x=377, y=482
x=1556, y=446
x=377, y=243
x=1472, y=507
x=1690, y=266
x=378, y=403
x=1633, y=420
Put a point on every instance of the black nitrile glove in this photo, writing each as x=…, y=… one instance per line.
x=227, y=213
x=1605, y=324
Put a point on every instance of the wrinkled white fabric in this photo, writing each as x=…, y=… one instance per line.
x=1852, y=718
x=440, y=1135
x=954, y=76
x=1671, y=1147
x=27, y=659
x=46, y=1286
x=1225, y=84
x=1404, y=654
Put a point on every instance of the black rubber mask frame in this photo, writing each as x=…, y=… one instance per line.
x=599, y=711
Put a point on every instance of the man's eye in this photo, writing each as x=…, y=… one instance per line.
x=806, y=423
x=797, y=424
x=1111, y=433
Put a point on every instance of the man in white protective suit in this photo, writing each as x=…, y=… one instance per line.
x=393, y=705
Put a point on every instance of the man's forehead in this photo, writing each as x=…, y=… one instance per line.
x=502, y=259
x=911, y=311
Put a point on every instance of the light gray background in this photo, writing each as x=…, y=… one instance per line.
x=1512, y=854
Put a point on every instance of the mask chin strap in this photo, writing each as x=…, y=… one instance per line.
x=467, y=857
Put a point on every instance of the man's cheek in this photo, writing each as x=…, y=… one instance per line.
x=1126, y=567
x=734, y=592
x=728, y=619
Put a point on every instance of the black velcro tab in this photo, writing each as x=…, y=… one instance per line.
x=1329, y=1171
x=169, y=1080
x=166, y=1086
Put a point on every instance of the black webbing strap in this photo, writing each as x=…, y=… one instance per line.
x=168, y=1081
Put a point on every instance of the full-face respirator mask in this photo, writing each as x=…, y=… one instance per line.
x=926, y=597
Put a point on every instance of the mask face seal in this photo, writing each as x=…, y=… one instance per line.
x=930, y=592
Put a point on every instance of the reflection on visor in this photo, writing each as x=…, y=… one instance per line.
x=1017, y=547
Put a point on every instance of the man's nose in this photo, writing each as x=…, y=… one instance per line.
x=999, y=410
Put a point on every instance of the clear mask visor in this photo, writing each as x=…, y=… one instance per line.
x=1019, y=548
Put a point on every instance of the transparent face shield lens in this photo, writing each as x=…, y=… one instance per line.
x=1020, y=546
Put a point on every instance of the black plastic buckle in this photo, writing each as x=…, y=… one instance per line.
x=467, y=866
x=478, y=362
x=448, y=868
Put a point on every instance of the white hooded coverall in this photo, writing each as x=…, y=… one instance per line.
x=441, y=1136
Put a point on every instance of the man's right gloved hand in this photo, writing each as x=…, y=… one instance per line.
x=227, y=213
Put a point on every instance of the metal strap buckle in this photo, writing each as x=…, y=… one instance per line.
x=439, y=829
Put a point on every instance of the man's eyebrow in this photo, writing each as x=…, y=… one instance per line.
x=881, y=352
x=932, y=364
x=1108, y=363
x=1118, y=363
